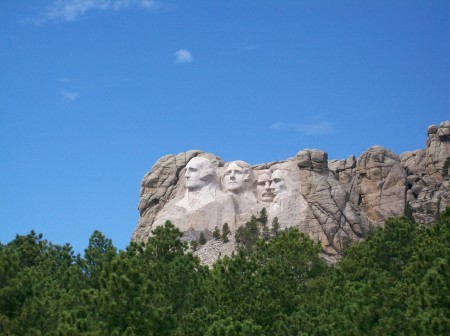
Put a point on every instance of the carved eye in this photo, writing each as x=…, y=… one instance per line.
x=276, y=180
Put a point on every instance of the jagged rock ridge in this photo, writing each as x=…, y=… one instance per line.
x=334, y=201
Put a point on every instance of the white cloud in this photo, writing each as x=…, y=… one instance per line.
x=71, y=10
x=183, y=56
x=69, y=96
x=150, y=4
x=147, y=4
x=316, y=128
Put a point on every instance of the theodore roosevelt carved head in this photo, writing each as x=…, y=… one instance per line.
x=263, y=189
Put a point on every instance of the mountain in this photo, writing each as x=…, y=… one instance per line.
x=335, y=202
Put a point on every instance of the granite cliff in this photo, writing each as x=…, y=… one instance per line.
x=333, y=201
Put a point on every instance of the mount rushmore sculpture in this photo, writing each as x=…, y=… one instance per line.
x=333, y=202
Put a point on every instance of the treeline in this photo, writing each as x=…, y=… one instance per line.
x=394, y=283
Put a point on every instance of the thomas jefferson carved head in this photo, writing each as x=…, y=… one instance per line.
x=200, y=172
x=238, y=176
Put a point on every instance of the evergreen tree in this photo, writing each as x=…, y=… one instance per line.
x=275, y=226
x=225, y=232
x=216, y=233
x=265, y=232
x=393, y=283
x=99, y=252
x=194, y=245
x=427, y=280
x=146, y=290
x=264, y=284
x=247, y=236
x=375, y=297
x=446, y=167
x=202, y=239
x=228, y=327
x=263, y=216
x=39, y=283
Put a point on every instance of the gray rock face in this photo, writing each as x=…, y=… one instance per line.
x=334, y=202
x=330, y=216
x=375, y=183
x=438, y=149
x=380, y=184
x=428, y=191
x=162, y=184
x=301, y=192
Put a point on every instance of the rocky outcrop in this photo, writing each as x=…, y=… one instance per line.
x=300, y=192
x=330, y=216
x=334, y=202
x=438, y=149
x=428, y=191
x=375, y=183
x=380, y=185
x=162, y=184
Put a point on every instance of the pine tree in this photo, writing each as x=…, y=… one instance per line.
x=225, y=232
x=263, y=216
x=216, y=233
x=99, y=252
x=248, y=235
x=265, y=232
x=446, y=167
x=194, y=245
x=275, y=226
x=202, y=239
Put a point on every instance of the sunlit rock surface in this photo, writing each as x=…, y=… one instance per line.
x=333, y=201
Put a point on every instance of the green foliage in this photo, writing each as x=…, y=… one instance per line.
x=409, y=212
x=247, y=236
x=225, y=232
x=194, y=245
x=427, y=277
x=378, y=289
x=263, y=216
x=446, y=167
x=228, y=327
x=275, y=226
x=394, y=283
x=39, y=284
x=202, y=240
x=216, y=233
x=265, y=283
x=99, y=253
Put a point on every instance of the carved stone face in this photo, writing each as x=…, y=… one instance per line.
x=278, y=183
x=233, y=179
x=263, y=188
x=196, y=173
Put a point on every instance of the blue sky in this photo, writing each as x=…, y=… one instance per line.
x=94, y=92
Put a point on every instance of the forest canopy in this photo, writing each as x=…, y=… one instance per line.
x=393, y=283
